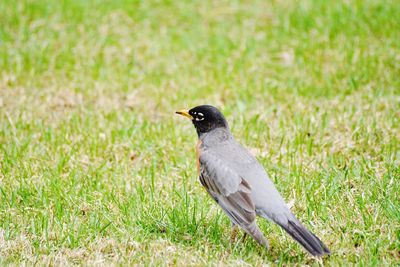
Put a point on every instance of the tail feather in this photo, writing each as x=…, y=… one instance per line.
x=256, y=233
x=307, y=239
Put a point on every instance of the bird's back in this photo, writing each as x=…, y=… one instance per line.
x=234, y=156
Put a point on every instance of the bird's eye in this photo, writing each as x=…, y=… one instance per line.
x=199, y=117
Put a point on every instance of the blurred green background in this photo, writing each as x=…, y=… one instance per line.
x=97, y=169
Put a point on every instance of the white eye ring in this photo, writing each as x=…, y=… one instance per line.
x=199, y=119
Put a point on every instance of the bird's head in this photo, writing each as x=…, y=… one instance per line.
x=205, y=118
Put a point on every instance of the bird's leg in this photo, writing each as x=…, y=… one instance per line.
x=234, y=231
x=244, y=236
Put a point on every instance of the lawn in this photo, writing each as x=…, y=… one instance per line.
x=97, y=169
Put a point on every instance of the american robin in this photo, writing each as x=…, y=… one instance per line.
x=239, y=184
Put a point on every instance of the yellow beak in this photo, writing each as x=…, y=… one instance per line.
x=184, y=113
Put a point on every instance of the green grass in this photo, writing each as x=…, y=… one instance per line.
x=97, y=169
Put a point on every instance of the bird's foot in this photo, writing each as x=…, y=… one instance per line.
x=234, y=233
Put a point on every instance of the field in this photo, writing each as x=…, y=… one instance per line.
x=96, y=168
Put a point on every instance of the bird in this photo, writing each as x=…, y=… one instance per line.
x=239, y=184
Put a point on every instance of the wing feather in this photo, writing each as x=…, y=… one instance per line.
x=230, y=190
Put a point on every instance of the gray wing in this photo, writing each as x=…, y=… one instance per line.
x=231, y=192
x=228, y=189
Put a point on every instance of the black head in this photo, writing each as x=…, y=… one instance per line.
x=205, y=118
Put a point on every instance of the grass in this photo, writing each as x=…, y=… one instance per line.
x=97, y=169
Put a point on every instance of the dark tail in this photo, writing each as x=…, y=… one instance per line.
x=307, y=239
